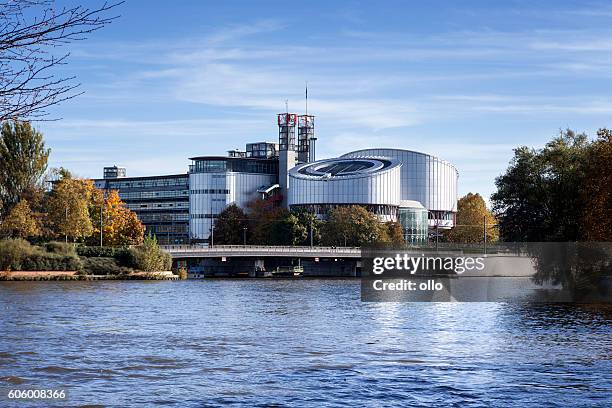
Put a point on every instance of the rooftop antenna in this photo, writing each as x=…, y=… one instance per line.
x=306, y=97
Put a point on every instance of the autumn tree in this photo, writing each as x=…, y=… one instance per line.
x=23, y=162
x=472, y=213
x=21, y=222
x=352, y=225
x=229, y=226
x=395, y=234
x=597, y=190
x=68, y=208
x=120, y=225
x=33, y=35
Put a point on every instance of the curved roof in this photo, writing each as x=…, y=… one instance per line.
x=368, y=152
x=342, y=168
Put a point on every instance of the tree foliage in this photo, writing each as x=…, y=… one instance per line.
x=597, y=190
x=21, y=222
x=120, y=225
x=558, y=193
x=229, y=226
x=537, y=198
x=271, y=225
x=149, y=257
x=68, y=208
x=353, y=226
x=32, y=34
x=23, y=162
x=395, y=234
x=472, y=212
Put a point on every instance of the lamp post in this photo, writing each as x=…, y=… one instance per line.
x=66, y=220
x=244, y=229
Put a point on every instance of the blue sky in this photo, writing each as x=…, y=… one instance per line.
x=466, y=82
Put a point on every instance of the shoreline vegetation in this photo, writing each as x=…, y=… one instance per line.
x=20, y=260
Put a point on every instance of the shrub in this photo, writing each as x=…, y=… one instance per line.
x=182, y=273
x=97, y=251
x=13, y=252
x=19, y=255
x=103, y=266
x=149, y=257
x=61, y=248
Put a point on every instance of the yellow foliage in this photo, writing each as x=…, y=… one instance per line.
x=471, y=215
x=120, y=225
x=21, y=222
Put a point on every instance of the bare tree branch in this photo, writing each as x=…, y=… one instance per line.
x=32, y=34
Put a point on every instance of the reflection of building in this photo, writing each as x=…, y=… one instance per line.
x=369, y=181
x=160, y=202
x=426, y=179
x=217, y=181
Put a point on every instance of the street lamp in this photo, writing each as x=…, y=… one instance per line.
x=244, y=229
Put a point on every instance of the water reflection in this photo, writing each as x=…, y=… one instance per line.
x=295, y=343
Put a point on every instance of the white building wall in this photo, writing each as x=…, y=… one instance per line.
x=375, y=188
x=424, y=178
x=210, y=193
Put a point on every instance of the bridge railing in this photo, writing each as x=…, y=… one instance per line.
x=260, y=248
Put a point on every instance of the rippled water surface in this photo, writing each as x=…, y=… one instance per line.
x=295, y=343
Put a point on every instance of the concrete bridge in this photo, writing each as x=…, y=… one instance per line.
x=260, y=251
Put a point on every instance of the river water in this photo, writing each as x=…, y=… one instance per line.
x=294, y=343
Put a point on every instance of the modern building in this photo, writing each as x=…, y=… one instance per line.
x=216, y=182
x=426, y=179
x=369, y=181
x=417, y=189
x=114, y=172
x=160, y=202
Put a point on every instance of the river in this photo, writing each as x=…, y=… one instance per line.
x=294, y=343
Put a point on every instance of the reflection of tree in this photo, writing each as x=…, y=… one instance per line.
x=579, y=267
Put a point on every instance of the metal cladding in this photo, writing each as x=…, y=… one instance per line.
x=424, y=178
x=364, y=180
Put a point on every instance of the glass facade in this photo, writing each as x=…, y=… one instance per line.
x=234, y=164
x=160, y=202
x=414, y=224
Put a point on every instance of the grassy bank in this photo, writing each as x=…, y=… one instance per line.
x=19, y=260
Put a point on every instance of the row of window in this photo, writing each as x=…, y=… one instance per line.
x=139, y=195
x=201, y=216
x=150, y=206
x=238, y=165
x=165, y=182
x=210, y=191
x=164, y=217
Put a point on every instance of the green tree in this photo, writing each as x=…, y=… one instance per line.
x=472, y=212
x=352, y=225
x=229, y=226
x=539, y=197
x=149, y=257
x=311, y=224
x=23, y=162
x=287, y=230
x=21, y=222
x=68, y=208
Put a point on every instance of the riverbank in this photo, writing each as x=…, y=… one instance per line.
x=76, y=276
